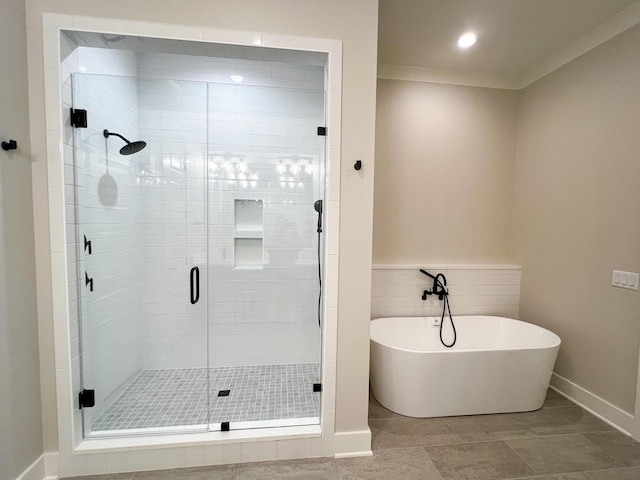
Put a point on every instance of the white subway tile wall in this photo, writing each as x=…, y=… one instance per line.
x=107, y=205
x=262, y=145
x=171, y=174
x=473, y=290
x=215, y=69
x=255, y=141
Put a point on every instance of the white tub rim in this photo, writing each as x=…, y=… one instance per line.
x=556, y=339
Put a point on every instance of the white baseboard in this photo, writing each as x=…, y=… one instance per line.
x=44, y=468
x=51, y=465
x=35, y=471
x=353, y=444
x=605, y=411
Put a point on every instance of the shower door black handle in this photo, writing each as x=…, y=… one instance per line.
x=195, y=285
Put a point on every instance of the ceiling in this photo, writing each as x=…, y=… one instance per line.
x=514, y=36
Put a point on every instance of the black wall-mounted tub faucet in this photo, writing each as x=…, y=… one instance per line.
x=439, y=287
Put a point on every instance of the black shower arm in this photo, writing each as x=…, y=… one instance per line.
x=107, y=134
x=428, y=274
x=436, y=282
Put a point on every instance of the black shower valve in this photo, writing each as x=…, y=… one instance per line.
x=426, y=293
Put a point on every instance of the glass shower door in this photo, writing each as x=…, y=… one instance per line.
x=141, y=272
x=266, y=172
x=197, y=256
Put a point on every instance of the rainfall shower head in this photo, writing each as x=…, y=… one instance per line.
x=130, y=147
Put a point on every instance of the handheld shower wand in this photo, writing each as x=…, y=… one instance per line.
x=318, y=208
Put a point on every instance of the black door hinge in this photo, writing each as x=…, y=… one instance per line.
x=224, y=427
x=322, y=131
x=87, y=398
x=78, y=118
x=317, y=387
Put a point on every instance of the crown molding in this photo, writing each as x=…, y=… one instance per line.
x=450, y=77
x=617, y=24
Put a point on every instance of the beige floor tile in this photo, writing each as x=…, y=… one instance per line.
x=478, y=461
x=308, y=469
x=489, y=427
x=624, y=449
x=378, y=411
x=402, y=464
x=217, y=472
x=409, y=432
x=629, y=473
x=559, y=420
x=111, y=476
x=560, y=476
x=554, y=399
x=562, y=454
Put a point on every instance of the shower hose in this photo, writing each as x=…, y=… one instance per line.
x=447, y=308
x=319, y=279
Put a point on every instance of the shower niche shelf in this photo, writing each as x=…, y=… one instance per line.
x=248, y=232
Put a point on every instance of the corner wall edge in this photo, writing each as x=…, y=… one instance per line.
x=353, y=444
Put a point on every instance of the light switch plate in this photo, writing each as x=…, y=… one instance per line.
x=629, y=280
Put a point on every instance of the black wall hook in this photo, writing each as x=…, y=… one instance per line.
x=10, y=145
x=358, y=164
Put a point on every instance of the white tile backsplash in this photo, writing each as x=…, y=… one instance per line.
x=473, y=290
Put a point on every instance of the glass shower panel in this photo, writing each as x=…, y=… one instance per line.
x=141, y=249
x=265, y=173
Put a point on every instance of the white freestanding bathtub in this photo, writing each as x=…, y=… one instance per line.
x=497, y=365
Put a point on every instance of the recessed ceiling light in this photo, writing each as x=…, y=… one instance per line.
x=466, y=40
x=236, y=78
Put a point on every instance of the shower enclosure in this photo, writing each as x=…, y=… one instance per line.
x=198, y=255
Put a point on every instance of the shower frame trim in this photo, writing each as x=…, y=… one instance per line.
x=79, y=456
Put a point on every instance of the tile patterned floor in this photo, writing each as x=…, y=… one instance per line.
x=166, y=398
x=558, y=442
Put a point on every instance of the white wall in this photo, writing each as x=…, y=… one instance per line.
x=577, y=191
x=20, y=414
